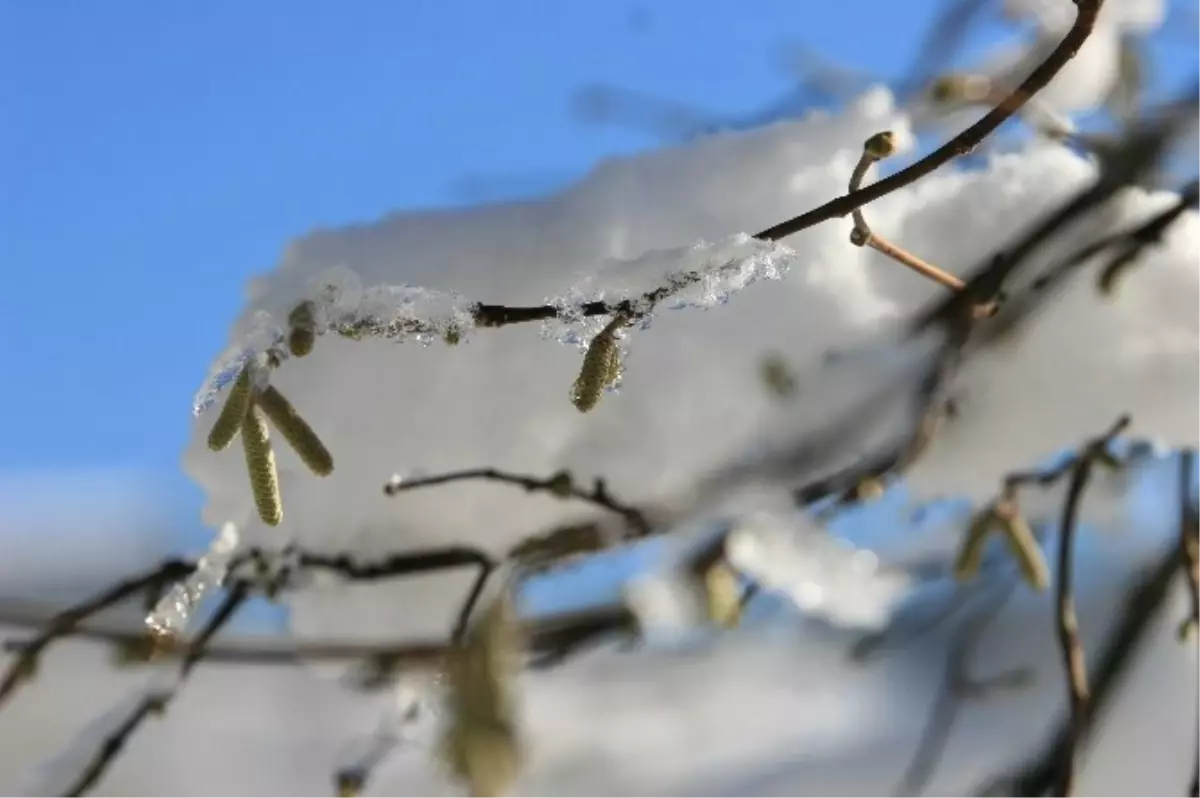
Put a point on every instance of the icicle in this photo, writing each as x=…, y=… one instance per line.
x=171, y=614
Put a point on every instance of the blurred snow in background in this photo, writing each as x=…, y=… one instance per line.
x=776, y=706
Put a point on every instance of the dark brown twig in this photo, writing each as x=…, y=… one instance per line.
x=1189, y=553
x=155, y=702
x=1141, y=607
x=965, y=142
x=409, y=563
x=65, y=622
x=1074, y=663
x=956, y=687
x=560, y=484
x=557, y=634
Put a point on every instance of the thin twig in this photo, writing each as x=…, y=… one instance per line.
x=957, y=685
x=875, y=149
x=155, y=702
x=965, y=142
x=560, y=484
x=65, y=622
x=1189, y=552
x=1074, y=663
x=490, y=315
x=1141, y=607
x=406, y=564
x=548, y=634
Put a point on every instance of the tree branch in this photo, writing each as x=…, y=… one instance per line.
x=1189, y=552
x=65, y=622
x=963, y=143
x=560, y=484
x=156, y=701
x=957, y=686
x=1142, y=605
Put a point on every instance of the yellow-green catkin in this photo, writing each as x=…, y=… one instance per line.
x=970, y=555
x=295, y=430
x=260, y=463
x=601, y=366
x=302, y=328
x=1025, y=549
x=229, y=421
x=723, y=595
x=480, y=743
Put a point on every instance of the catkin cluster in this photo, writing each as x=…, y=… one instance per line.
x=247, y=410
x=1003, y=518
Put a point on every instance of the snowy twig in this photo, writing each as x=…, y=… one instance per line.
x=560, y=484
x=65, y=622
x=155, y=701
x=965, y=142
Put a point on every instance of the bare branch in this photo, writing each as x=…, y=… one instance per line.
x=957, y=686
x=409, y=563
x=1074, y=663
x=1189, y=552
x=560, y=484
x=876, y=148
x=65, y=622
x=1142, y=606
x=965, y=142
x=155, y=702
x=550, y=637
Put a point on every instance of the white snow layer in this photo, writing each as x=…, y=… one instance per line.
x=691, y=396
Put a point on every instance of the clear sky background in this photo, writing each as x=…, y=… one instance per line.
x=154, y=156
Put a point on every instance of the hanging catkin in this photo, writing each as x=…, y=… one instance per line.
x=295, y=430
x=260, y=463
x=601, y=366
x=230, y=419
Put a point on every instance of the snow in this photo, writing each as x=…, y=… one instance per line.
x=501, y=397
x=690, y=398
x=691, y=402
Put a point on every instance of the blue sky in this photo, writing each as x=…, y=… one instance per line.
x=153, y=156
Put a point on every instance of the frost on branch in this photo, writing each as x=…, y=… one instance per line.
x=690, y=397
x=171, y=614
x=690, y=392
